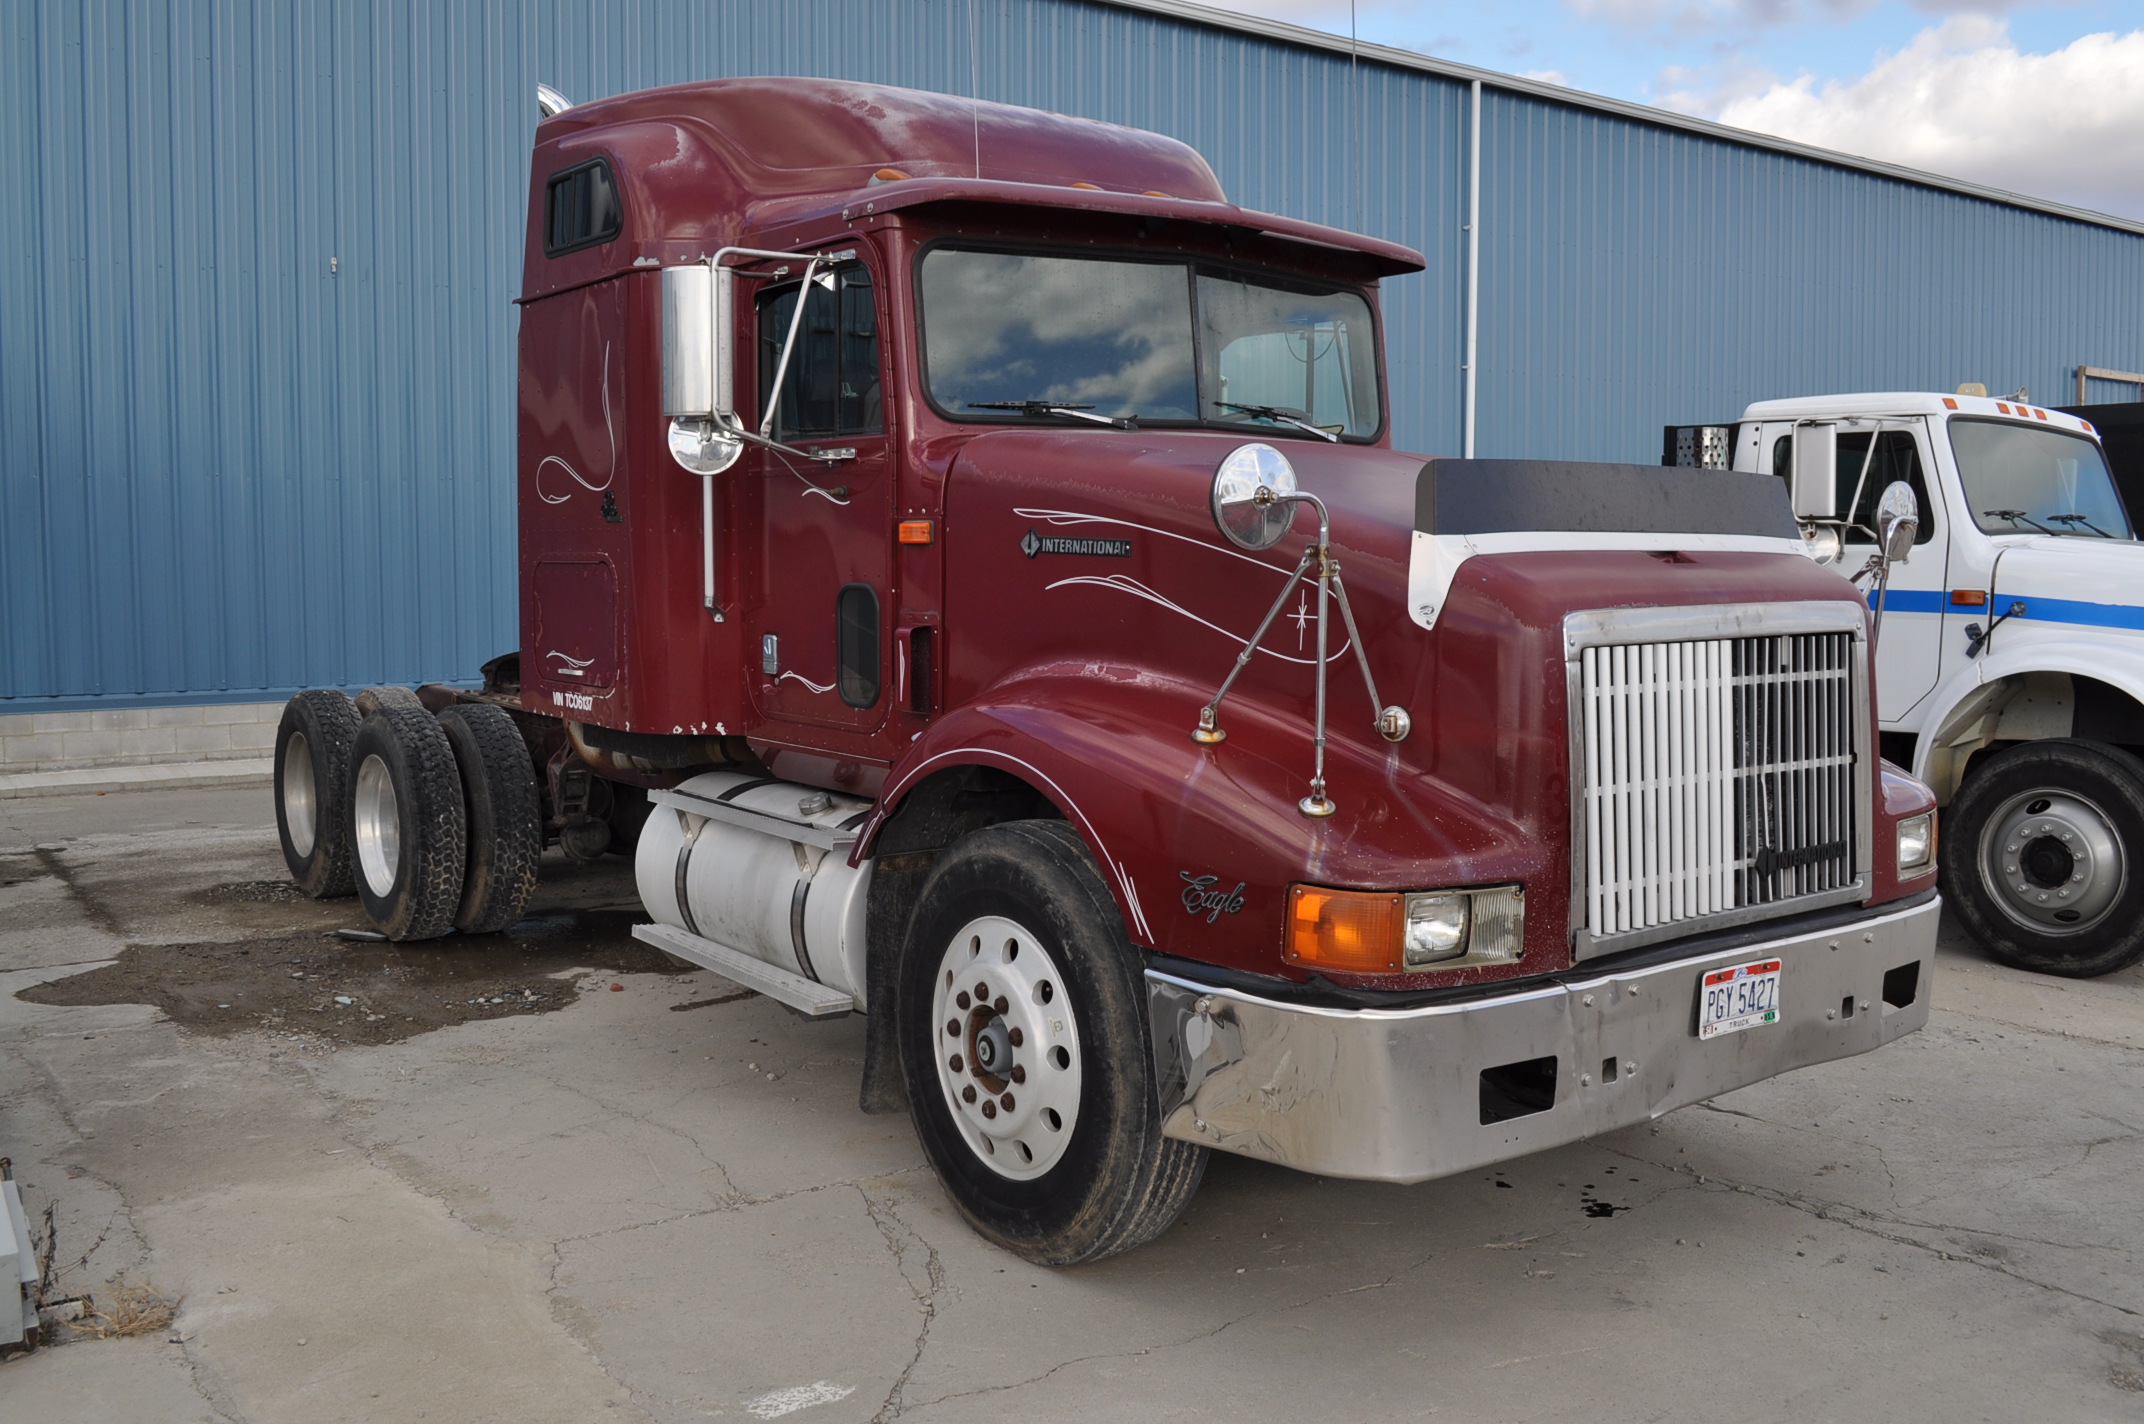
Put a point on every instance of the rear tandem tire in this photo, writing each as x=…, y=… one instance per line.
x=312, y=791
x=2043, y=857
x=505, y=822
x=1061, y=1160
x=408, y=832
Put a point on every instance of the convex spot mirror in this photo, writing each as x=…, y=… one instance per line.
x=1898, y=520
x=1254, y=497
x=705, y=446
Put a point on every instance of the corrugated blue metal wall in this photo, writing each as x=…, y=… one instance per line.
x=257, y=259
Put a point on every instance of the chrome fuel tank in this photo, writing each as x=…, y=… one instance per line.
x=761, y=867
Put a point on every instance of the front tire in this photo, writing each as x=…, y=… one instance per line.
x=1021, y=1013
x=312, y=791
x=408, y=832
x=2043, y=856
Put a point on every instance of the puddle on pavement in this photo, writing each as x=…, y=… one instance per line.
x=317, y=985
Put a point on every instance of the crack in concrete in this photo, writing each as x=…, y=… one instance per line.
x=1192, y=1339
x=893, y=1229
x=1869, y=1224
x=97, y=912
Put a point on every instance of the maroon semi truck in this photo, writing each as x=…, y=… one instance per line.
x=964, y=561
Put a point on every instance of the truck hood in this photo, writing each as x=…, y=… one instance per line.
x=2060, y=579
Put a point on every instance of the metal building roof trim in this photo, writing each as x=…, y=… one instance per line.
x=1186, y=10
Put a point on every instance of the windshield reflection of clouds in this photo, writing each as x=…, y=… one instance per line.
x=1113, y=335
x=1116, y=336
x=2053, y=479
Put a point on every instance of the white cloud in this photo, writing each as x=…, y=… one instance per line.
x=1695, y=16
x=1962, y=100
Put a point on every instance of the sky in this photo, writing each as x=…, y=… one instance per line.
x=2043, y=97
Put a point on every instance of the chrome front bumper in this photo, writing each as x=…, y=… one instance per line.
x=1399, y=1095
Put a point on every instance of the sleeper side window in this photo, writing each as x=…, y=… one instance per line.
x=833, y=383
x=581, y=208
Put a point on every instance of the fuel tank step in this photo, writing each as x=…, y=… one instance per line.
x=813, y=1000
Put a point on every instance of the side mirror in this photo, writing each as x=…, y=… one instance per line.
x=699, y=367
x=1254, y=496
x=1898, y=521
x=1815, y=476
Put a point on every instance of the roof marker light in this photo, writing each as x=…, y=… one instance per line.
x=887, y=175
x=1090, y=187
x=2041, y=414
x=1949, y=404
x=1156, y=193
x=2003, y=408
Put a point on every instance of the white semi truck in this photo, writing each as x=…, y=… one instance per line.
x=2010, y=652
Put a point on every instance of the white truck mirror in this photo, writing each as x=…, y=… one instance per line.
x=1898, y=521
x=1814, y=478
x=699, y=367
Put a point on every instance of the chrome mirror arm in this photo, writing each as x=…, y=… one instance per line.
x=1392, y=723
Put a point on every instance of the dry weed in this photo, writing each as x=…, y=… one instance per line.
x=126, y=1308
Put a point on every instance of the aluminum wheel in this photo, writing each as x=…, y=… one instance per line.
x=300, y=816
x=378, y=820
x=2053, y=861
x=1009, y=1058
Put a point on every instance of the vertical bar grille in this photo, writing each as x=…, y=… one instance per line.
x=1718, y=775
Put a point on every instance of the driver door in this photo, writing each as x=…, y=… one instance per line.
x=1909, y=652
x=821, y=623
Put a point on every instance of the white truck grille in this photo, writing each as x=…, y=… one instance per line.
x=1719, y=775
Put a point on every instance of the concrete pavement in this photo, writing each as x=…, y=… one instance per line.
x=660, y=1203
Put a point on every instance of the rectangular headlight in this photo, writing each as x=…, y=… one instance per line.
x=1479, y=926
x=1916, y=842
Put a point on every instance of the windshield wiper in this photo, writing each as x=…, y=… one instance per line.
x=2075, y=519
x=1282, y=414
x=2018, y=516
x=1073, y=412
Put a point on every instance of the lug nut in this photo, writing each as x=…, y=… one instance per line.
x=1014, y=1035
x=954, y=1063
x=999, y=1005
x=967, y=1094
x=990, y=1109
x=1007, y=1101
x=952, y=1028
x=961, y=1001
x=1019, y=1074
x=982, y=992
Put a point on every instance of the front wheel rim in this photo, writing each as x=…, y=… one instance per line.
x=298, y=795
x=1007, y=1046
x=378, y=821
x=2053, y=861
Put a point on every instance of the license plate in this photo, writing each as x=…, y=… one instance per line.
x=1730, y=1000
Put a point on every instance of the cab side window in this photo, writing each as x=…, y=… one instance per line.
x=833, y=383
x=1898, y=457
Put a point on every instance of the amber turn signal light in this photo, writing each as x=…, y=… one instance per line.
x=915, y=531
x=1351, y=931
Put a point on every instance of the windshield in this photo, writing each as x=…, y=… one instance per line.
x=2021, y=480
x=1010, y=335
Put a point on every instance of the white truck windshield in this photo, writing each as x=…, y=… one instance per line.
x=1162, y=342
x=2021, y=480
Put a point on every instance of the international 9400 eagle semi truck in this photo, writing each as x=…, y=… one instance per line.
x=964, y=560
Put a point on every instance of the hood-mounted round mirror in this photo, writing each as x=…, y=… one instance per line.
x=1254, y=497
